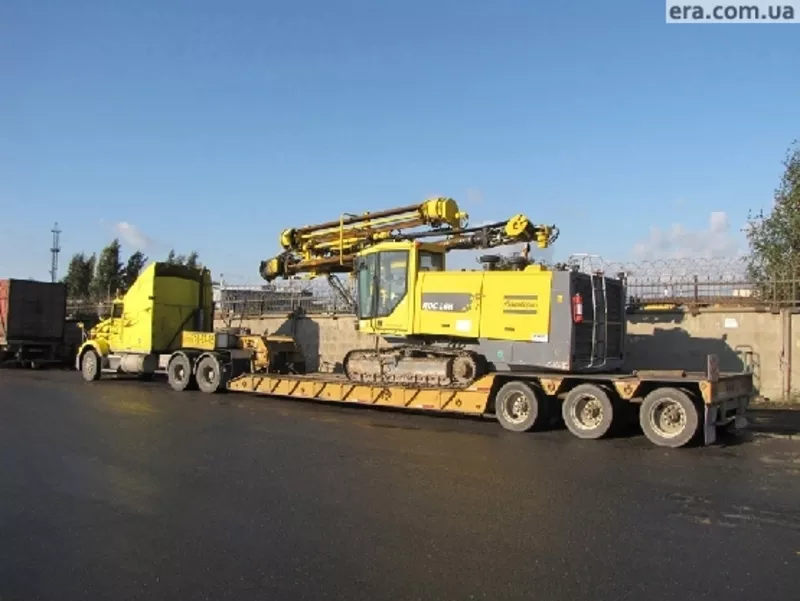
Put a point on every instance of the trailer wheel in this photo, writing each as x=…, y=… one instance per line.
x=179, y=373
x=90, y=366
x=588, y=411
x=209, y=374
x=669, y=417
x=518, y=407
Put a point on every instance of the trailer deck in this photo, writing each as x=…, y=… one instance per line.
x=714, y=399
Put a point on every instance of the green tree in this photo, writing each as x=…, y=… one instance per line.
x=174, y=259
x=80, y=274
x=190, y=260
x=133, y=268
x=109, y=274
x=774, y=261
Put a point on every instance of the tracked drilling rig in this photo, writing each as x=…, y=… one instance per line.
x=448, y=328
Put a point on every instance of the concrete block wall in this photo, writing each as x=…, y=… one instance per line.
x=743, y=340
x=766, y=344
x=325, y=339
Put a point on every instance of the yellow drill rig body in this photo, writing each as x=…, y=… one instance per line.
x=448, y=328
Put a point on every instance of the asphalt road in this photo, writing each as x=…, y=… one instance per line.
x=126, y=490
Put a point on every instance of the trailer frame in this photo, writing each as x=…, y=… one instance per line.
x=674, y=408
x=704, y=401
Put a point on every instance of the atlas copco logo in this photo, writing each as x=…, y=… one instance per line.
x=437, y=306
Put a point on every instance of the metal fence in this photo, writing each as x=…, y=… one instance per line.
x=293, y=296
x=316, y=296
x=699, y=282
x=668, y=282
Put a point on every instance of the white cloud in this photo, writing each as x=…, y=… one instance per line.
x=678, y=242
x=132, y=235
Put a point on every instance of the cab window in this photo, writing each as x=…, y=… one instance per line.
x=393, y=281
x=382, y=283
x=430, y=261
x=367, y=275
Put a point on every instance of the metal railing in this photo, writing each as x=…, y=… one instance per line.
x=293, y=296
x=320, y=298
x=650, y=284
x=700, y=282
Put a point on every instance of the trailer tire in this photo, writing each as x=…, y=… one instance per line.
x=588, y=411
x=669, y=417
x=209, y=374
x=90, y=365
x=519, y=407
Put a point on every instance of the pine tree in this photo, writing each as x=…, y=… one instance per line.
x=109, y=273
x=191, y=261
x=79, y=276
x=133, y=268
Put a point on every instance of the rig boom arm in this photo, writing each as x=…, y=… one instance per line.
x=331, y=247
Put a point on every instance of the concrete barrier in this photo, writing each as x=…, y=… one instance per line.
x=761, y=342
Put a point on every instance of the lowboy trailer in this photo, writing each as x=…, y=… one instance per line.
x=674, y=408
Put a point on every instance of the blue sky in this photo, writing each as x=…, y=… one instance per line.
x=212, y=125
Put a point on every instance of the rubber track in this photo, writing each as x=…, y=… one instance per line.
x=480, y=362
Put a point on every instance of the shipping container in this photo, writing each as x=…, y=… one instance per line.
x=32, y=316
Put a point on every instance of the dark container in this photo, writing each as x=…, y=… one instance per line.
x=32, y=312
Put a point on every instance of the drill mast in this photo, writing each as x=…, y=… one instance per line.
x=330, y=248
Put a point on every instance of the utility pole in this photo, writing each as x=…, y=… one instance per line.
x=54, y=254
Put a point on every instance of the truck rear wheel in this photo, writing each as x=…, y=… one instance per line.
x=90, y=366
x=588, y=411
x=209, y=374
x=669, y=417
x=179, y=373
x=518, y=407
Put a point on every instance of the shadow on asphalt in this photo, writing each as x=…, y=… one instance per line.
x=774, y=421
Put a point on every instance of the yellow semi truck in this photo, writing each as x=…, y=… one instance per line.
x=164, y=324
x=516, y=340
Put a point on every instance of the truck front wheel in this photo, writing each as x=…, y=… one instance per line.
x=90, y=366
